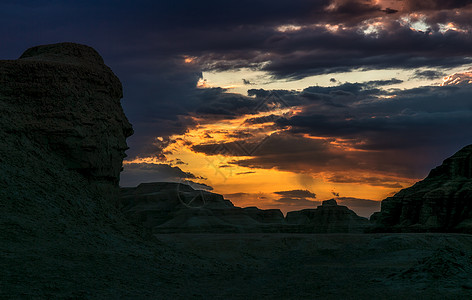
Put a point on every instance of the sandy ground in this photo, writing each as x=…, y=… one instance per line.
x=331, y=266
x=242, y=266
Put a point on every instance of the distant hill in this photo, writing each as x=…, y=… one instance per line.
x=166, y=207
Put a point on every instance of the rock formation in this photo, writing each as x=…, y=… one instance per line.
x=440, y=202
x=63, y=136
x=328, y=218
x=165, y=207
x=63, y=98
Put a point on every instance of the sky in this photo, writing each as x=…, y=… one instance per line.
x=276, y=104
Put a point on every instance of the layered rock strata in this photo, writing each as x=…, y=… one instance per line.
x=440, y=202
x=328, y=218
x=165, y=207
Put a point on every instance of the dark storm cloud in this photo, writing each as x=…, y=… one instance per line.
x=262, y=120
x=297, y=202
x=428, y=74
x=296, y=198
x=156, y=94
x=136, y=173
x=245, y=173
x=238, y=33
x=321, y=52
x=369, y=180
x=418, y=117
x=240, y=134
x=375, y=83
x=175, y=101
x=216, y=102
x=418, y=5
x=296, y=194
x=179, y=162
x=145, y=43
x=388, y=133
x=272, y=146
x=338, y=95
x=225, y=166
x=415, y=119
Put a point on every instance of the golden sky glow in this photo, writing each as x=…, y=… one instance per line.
x=255, y=186
x=260, y=79
x=364, y=116
x=258, y=184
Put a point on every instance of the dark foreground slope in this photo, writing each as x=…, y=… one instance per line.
x=62, y=134
x=331, y=266
x=441, y=202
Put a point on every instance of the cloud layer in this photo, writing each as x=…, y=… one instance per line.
x=160, y=49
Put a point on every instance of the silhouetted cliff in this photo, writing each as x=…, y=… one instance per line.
x=63, y=136
x=440, y=202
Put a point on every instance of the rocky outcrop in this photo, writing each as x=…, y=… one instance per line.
x=440, y=202
x=63, y=98
x=63, y=136
x=165, y=207
x=265, y=215
x=327, y=218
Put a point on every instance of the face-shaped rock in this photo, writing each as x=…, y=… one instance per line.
x=70, y=102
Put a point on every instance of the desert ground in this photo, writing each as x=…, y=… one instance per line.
x=245, y=266
x=328, y=266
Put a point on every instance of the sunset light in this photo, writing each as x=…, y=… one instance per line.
x=236, y=149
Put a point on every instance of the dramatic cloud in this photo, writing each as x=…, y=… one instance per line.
x=146, y=44
x=297, y=198
x=369, y=133
x=412, y=118
x=136, y=173
x=418, y=5
x=288, y=201
x=297, y=194
x=384, y=130
x=464, y=79
x=245, y=173
x=428, y=74
x=373, y=181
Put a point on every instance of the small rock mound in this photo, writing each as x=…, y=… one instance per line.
x=70, y=53
x=328, y=218
x=444, y=264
